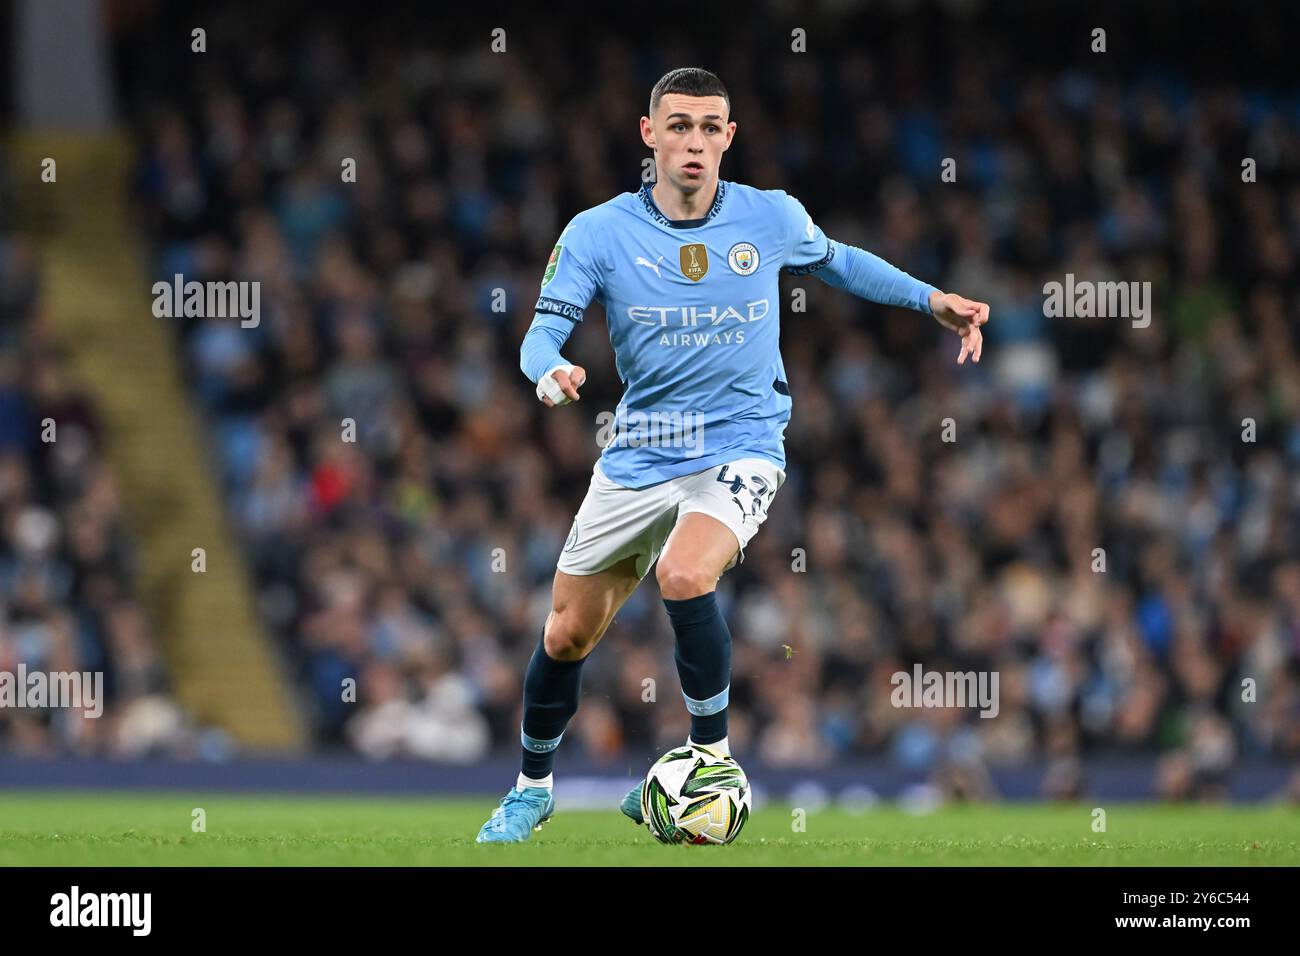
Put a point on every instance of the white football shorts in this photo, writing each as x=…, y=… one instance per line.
x=615, y=522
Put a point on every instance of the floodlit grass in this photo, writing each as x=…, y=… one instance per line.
x=115, y=829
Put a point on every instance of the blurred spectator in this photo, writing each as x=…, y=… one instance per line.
x=67, y=599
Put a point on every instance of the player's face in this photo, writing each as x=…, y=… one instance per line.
x=689, y=134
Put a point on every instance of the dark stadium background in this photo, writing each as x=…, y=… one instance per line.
x=373, y=561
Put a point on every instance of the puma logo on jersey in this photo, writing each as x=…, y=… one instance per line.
x=643, y=261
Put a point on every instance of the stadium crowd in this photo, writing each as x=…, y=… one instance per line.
x=1110, y=521
x=67, y=576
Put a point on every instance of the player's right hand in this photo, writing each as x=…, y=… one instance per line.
x=560, y=385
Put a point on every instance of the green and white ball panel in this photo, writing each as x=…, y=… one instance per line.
x=694, y=795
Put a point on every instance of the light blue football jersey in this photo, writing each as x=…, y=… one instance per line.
x=693, y=309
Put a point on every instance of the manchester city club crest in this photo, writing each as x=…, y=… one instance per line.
x=743, y=258
x=694, y=260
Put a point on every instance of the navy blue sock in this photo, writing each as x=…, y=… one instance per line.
x=703, y=664
x=551, y=690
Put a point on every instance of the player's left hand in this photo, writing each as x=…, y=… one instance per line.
x=963, y=316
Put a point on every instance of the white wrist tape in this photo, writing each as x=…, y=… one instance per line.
x=547, y=387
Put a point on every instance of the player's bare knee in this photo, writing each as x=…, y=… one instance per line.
x=680, y=582
x=567, y=639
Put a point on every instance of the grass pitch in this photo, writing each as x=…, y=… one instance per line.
x=115, y=829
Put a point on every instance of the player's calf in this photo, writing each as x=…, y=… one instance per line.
x=582, y=608
x=699, y=549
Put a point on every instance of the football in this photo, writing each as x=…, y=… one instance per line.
x=695, y=795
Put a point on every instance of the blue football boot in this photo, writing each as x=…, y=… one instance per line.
x=520, y=813
x=631, y=805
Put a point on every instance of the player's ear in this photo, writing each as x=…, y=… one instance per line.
x=731, y=132
x=647, y=132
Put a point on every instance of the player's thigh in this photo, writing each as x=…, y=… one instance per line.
x=721, y=510
x=584, y=605
x=699, y=549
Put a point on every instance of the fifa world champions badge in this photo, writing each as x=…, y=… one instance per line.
x=694, y=260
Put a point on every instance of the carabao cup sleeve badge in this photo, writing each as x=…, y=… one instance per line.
x=551, y=264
